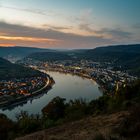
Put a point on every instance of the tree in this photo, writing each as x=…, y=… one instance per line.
x=55, y=109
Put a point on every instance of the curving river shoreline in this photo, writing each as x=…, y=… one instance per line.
x=66, y=85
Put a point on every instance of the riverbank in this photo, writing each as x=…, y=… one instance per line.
x=9, y=101
x=101, y=87
x=104, y=118
x=66, y=86
x=22, y=99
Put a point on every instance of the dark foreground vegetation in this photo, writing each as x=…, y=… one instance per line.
x=59, y=112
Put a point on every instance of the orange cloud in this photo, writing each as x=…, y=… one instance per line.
x=7, y=44
x=30, y=39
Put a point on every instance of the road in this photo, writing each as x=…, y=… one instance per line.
x=47, y=83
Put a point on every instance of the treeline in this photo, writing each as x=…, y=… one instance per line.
x=50, y=56
x=58, y=112
x=9, y=70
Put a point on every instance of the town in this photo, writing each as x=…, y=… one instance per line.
x=108, y=78
x=14, y=90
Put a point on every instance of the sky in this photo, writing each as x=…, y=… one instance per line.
x=69, y=24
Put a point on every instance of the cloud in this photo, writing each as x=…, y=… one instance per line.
x=85, y=17
x=34, y=11
x=136, y=26
x=34, y=39
x=116, y=33
x=6, y=45
x=47, y=26
x=86, y=27
x=86, y=23
x=25, y=35
x=86, y=13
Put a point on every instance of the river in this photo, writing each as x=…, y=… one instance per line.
x=66, y=86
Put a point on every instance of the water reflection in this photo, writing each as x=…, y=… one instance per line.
x=66, y=86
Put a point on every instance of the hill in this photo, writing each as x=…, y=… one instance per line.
x=50, y=56
x=9, y=70
x=90, y=128
x=122, y=57
x=18, y=52
x=107, y=118
x=108, y=53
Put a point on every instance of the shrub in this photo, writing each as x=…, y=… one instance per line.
x=130, y=126
x=75, y=109
x=6, y=127
x=28, y=123
x=99, y=136
x=55, y=109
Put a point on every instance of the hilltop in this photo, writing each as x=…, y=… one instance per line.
x=9, y=70
x=105, y=53
x=107, y=118
x=17, y=52
x=90, y=128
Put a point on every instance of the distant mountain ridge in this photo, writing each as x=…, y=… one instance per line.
x=18, y=52
x=124, y=57
x=121, y=48
x=97, y=54
x=117, y=50
x=50, y=56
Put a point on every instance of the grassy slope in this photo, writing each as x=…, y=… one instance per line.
x=118, y=119
x=85, y=129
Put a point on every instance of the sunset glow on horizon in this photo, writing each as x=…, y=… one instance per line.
x=7, y=45
x=69, y=24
